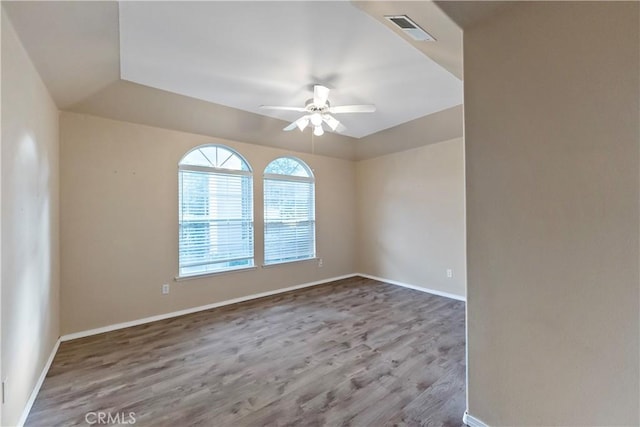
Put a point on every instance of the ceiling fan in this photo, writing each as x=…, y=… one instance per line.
x=318, y=111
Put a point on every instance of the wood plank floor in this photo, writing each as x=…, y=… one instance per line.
x=355, y=352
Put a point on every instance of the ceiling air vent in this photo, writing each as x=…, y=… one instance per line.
x=410, y=28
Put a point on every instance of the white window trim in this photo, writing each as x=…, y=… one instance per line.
x=211, y=169
x=276, y=264
x=280, y=177
x=213, y=273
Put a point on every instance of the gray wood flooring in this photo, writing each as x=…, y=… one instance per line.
x=355, y=352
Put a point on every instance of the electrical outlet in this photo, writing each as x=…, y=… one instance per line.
x=320, y=262
x=449, y=273
x=165, y=289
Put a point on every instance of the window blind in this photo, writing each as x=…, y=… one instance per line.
x=289, y=219
x=215, y=220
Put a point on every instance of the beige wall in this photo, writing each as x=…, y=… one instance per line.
x=30, y=256
x=411, y=217
x=437, y=127
x=551, y=146
x=119, y=223
x=127, y=101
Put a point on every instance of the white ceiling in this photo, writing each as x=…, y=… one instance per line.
x=75, y=45
x=244, y=54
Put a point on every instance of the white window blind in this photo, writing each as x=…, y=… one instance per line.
x=289, y=211
x=215, y=212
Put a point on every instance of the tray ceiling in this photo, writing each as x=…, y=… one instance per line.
x=244, y=54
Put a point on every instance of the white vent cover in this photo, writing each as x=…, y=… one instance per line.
x=410, y=28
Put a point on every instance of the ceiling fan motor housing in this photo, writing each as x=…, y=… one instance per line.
x=313, y=108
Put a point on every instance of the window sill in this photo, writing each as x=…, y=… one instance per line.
x=289, y=262
x=213, y=273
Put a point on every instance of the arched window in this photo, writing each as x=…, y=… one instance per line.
x=289, y=211
x=215, y=211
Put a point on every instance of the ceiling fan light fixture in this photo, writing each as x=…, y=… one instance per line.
x=332, y=122
x=316, y=119
x=302, y=123
x=318, y=131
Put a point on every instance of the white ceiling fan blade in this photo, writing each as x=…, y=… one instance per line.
x=352, y=109
x=340, y=128
x=320, y=95
x=301, y=124
x=331, y=121
x=291, y=126
x=277, y=107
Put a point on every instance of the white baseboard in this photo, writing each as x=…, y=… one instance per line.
x=142, y=321
x=417, y=288
x=36, y=388
x=472, y=421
